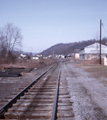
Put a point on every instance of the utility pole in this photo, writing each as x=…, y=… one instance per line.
x=100, y=38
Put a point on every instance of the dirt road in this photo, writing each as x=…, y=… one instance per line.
x=89, y=95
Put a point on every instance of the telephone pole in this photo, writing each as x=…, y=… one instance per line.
x=100, y=39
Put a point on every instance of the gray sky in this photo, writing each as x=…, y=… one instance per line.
x=44, y=23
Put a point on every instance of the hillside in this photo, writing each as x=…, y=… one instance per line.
x=67, y=48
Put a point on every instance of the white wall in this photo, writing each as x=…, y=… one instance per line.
x=82, y=51
x=105, y=61
x=95, y=49
x=76, y=55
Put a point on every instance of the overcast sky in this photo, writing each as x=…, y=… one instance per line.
x=44, y=23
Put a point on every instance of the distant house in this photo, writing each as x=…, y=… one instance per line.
x=76, y=53
x=93, y=51
x=35, y=58
x=23, y=56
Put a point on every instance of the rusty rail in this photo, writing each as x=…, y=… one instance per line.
x=54, y=112
x=14, y=99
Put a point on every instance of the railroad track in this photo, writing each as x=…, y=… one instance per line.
x=45, y=98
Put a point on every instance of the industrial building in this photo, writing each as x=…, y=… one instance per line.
x=93, y=51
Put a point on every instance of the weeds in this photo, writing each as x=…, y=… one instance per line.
x=29, y=63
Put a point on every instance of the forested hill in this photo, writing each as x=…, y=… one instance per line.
x=65, y=49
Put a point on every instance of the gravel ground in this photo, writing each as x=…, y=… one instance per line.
x=11, y=84
x=88, y=94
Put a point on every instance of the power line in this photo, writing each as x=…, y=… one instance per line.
x=104, y=28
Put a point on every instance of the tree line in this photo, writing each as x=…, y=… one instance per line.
x=10, y=40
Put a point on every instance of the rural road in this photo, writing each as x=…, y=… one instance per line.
x=89, y=95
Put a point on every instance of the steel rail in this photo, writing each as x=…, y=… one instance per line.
x=14, y=99
x=54, y=112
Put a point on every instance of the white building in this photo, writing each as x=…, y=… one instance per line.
x=22, y=56
x=92, y=51
x=76, y=53
x=35, y=58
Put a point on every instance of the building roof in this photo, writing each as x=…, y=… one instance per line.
x=95, y=48
x=96, y=44
x=76, y=51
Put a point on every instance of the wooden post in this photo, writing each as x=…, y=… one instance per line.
x=100, y=39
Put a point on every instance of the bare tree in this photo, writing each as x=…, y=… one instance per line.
x=10, y=38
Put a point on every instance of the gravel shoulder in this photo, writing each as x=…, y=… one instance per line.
x=88, y=94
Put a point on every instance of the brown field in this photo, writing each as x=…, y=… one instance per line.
x=97, y=71
x=93, y=67
x=29, y=63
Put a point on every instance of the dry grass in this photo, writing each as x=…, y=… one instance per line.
x=73, y=59
x=93, y=66
x=97, y=71
x=29, y=63
x=94, y=61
